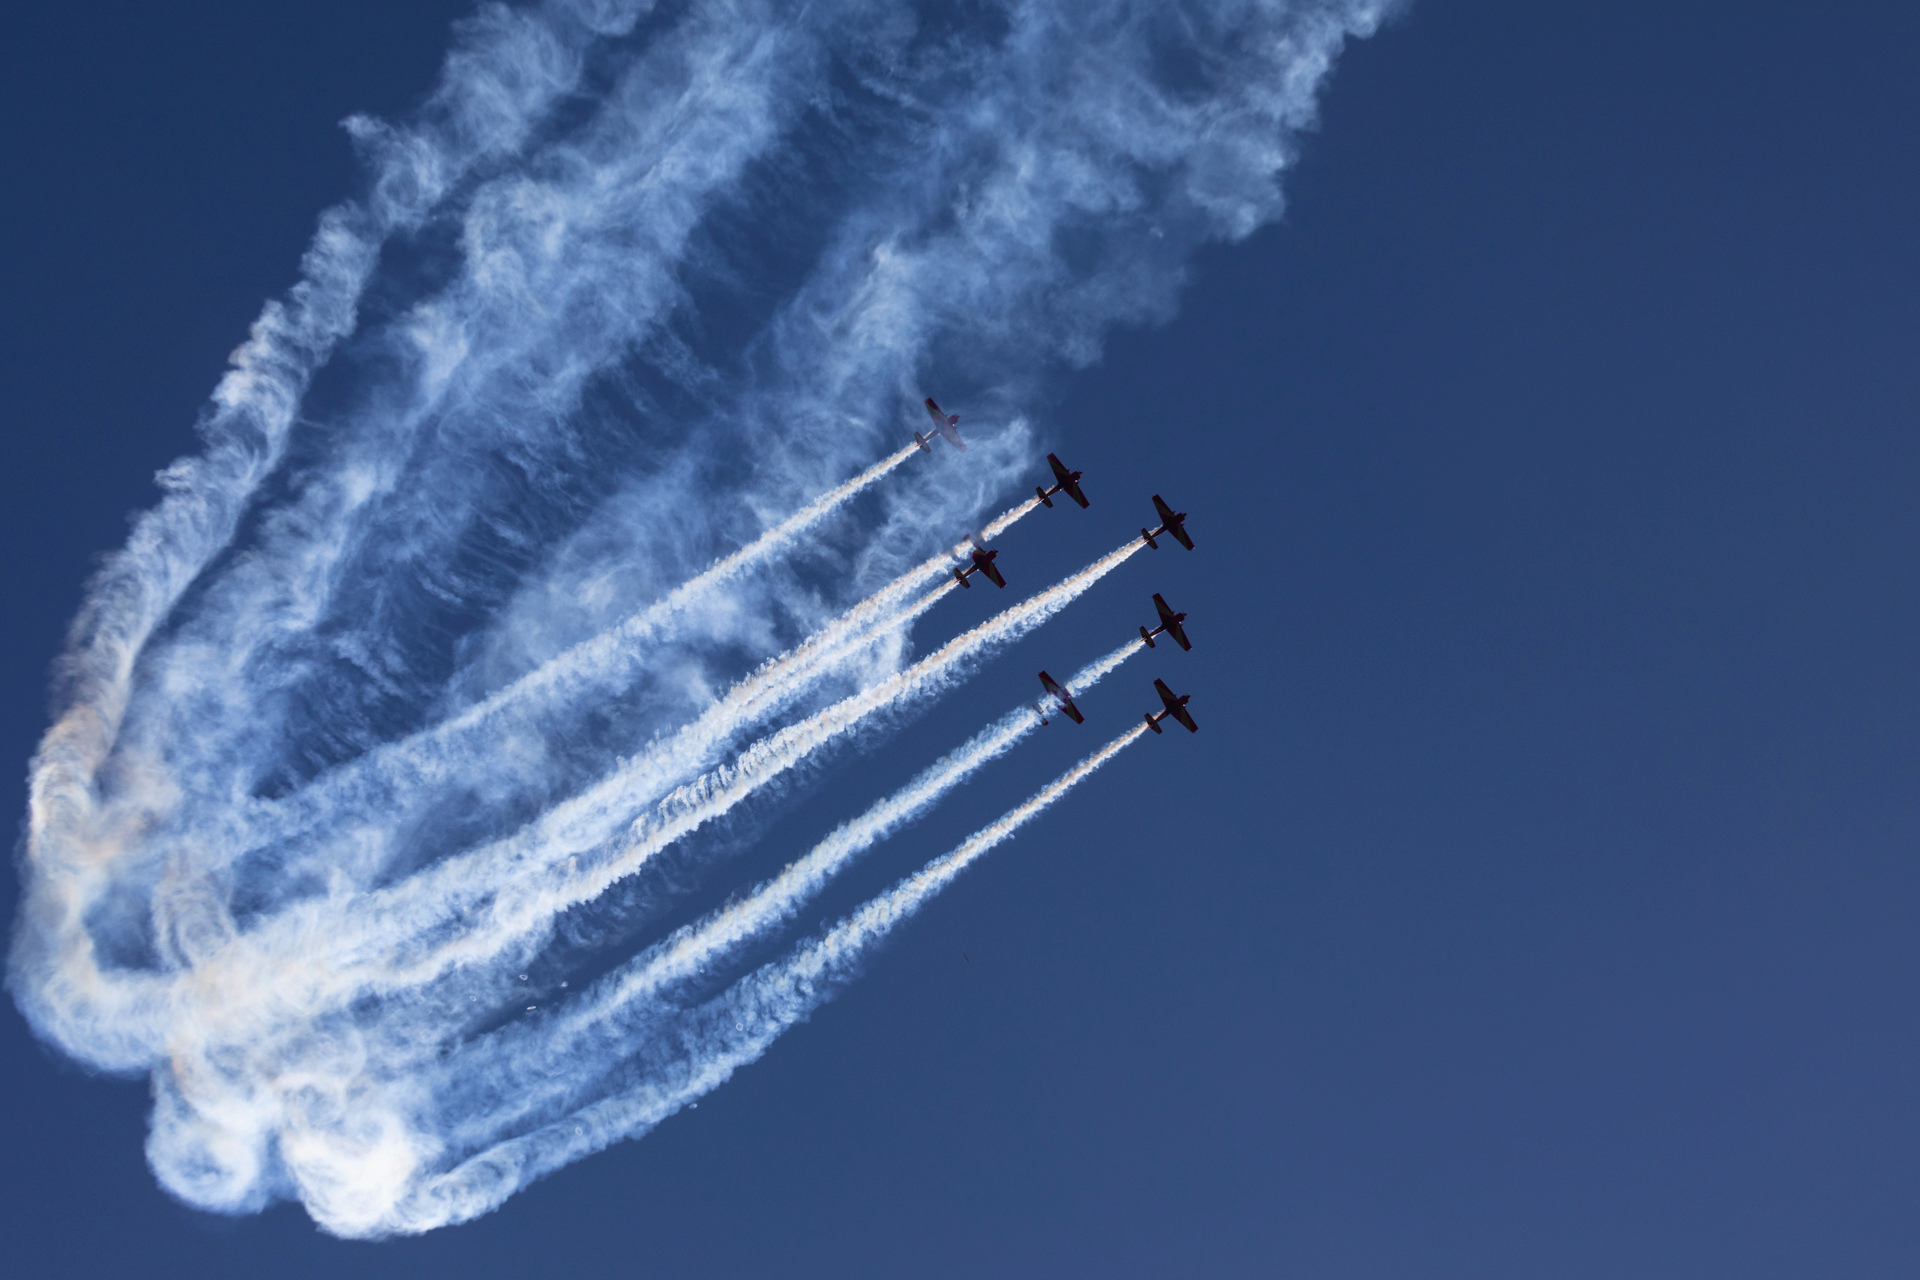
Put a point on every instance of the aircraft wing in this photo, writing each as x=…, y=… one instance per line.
x=933, y=411
x=1167, y=514
x=992, y=571
x=1180, y=714
x=1179, y=634
x=952, y=433
x=1166, y=695
x=1166, y=613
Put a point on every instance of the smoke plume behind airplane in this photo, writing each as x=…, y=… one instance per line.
x=540, y=525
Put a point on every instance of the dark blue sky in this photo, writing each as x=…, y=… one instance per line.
x=1538, y=896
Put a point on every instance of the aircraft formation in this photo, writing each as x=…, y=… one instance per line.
x=981, y=559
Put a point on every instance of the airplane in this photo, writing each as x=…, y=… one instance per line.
x=982, y=563
x=1171, y=521
x=1066, y=700
x=1176, y=707
x=1169, y=623
x=1064, y=481
x=946, y=424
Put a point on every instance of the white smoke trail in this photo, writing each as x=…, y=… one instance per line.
x=738, y=1029
x=834, y=956
x=776, y=683
x=527, y=903
x=696, y=947
x=393, y=775
x=501, y=924
x=516, y=562
x=533, y=1079
x=389, y=923
x=500, y=897
x=320, y=958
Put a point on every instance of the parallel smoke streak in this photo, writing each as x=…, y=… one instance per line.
x=697, y=948
x=694, y=948
x=600, y=666
x=389, y=923
x=507, y=905
x=738, y=1028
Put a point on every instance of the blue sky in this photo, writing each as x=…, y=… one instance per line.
x=1536, y=896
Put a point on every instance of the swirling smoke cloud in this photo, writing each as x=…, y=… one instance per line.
x=561, y=509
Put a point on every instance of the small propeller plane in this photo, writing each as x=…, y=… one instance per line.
x=945, y=424
x=1176, y=707
x=1171, y=521
x=1066, y=700
x=1064, y=481
x=1169, y=624
x=982, y=563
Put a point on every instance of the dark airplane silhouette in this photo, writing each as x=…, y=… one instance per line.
x=1171, y=521
x=982, y=563
x=1066, y=700
x=1175, y=707
x=1064, y=481
x=1169, y=623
